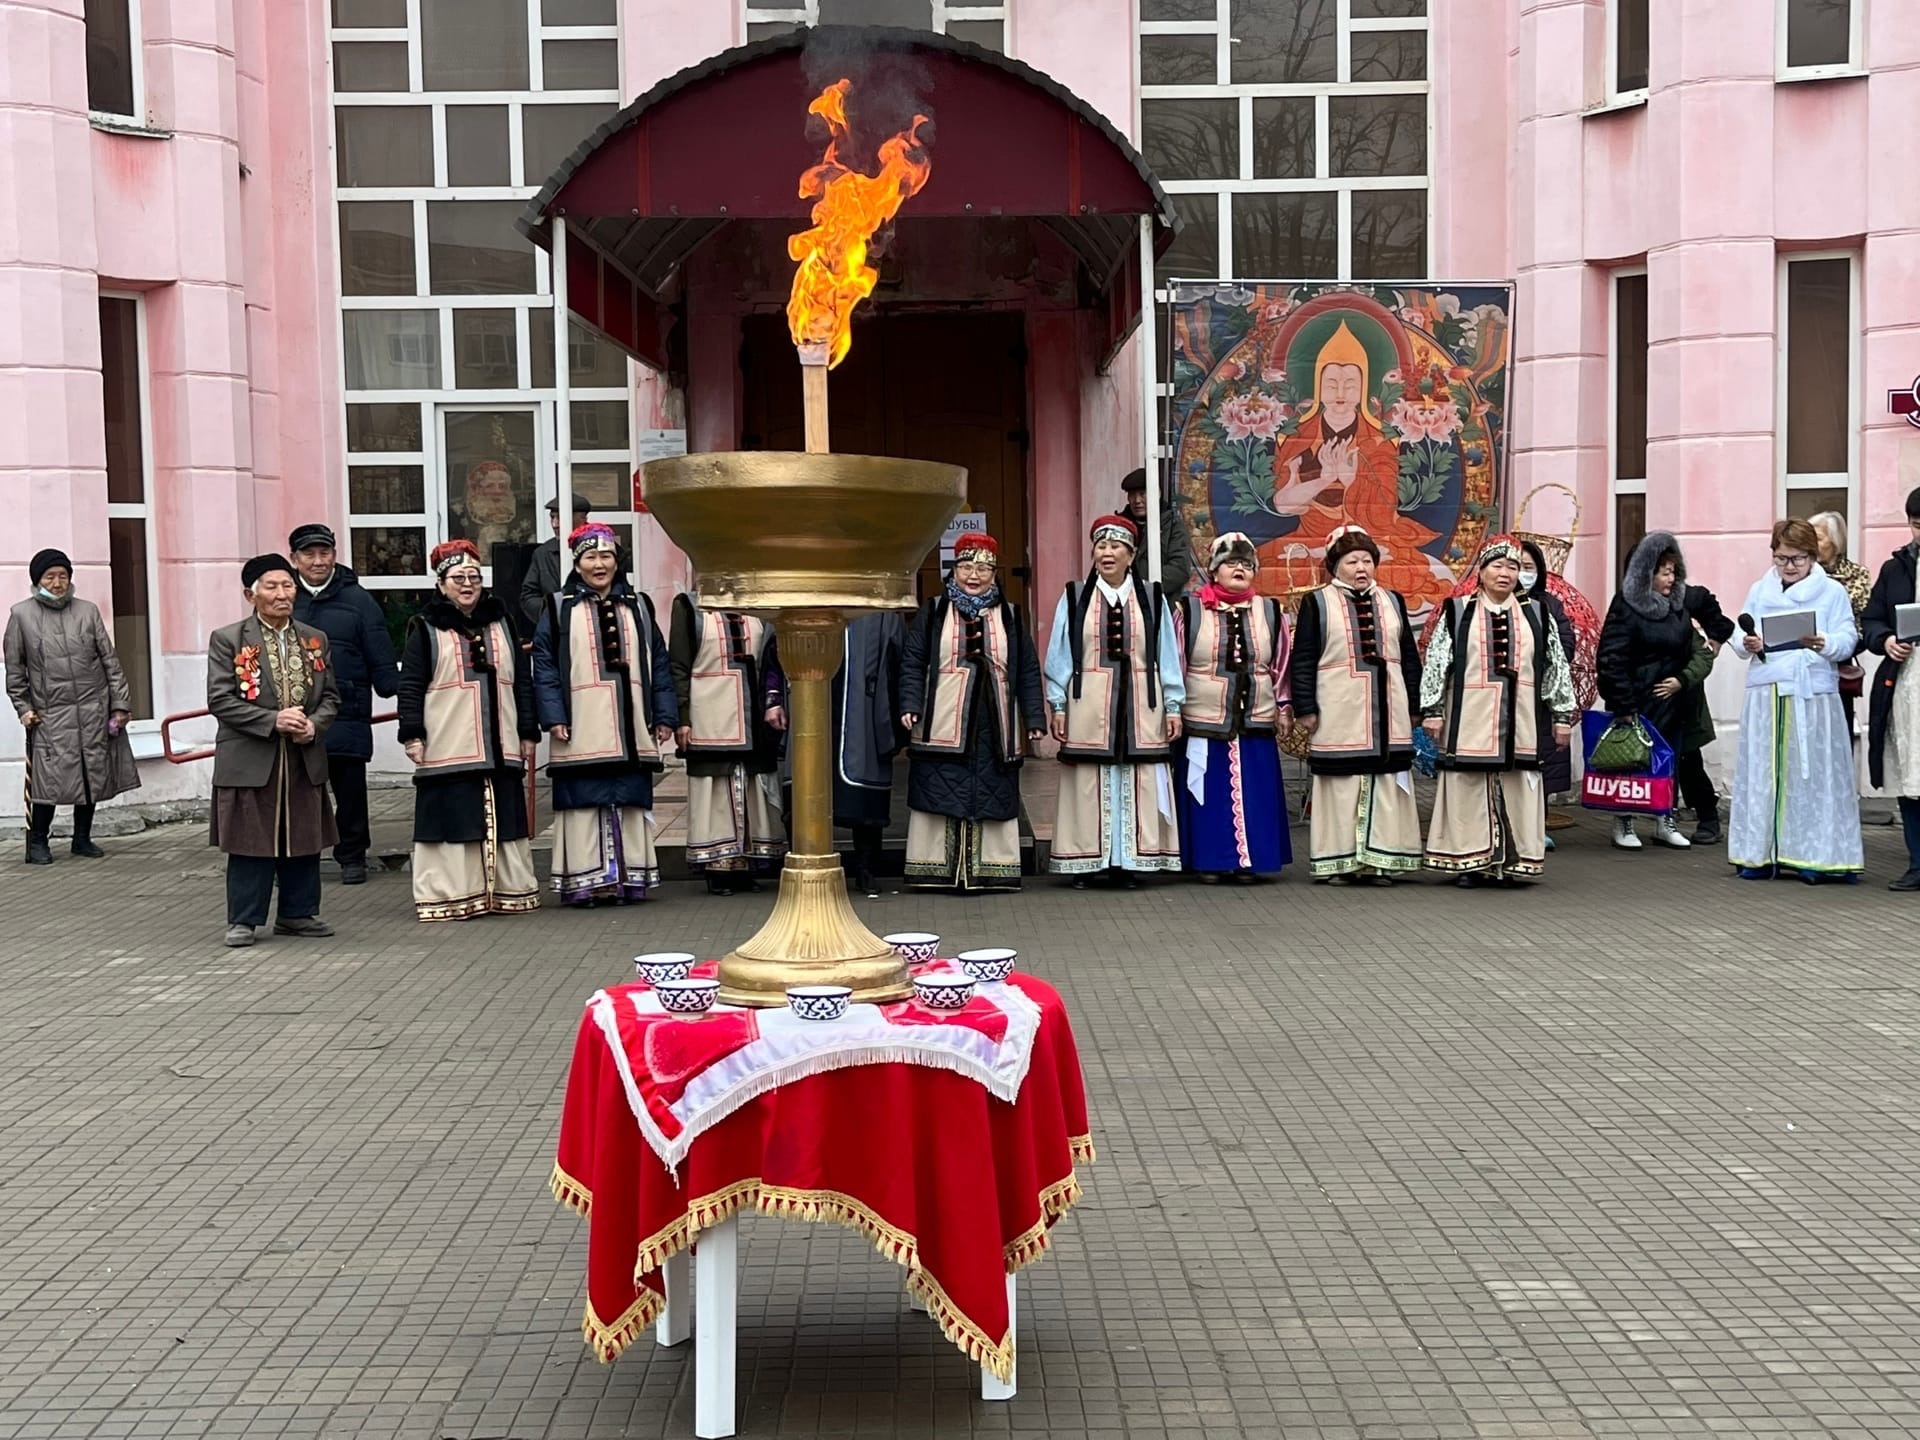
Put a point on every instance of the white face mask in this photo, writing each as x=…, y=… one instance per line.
x=1527, y=577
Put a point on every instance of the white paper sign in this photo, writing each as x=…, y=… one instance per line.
x=1779, y=632
x=660, y=445
x=966, y=521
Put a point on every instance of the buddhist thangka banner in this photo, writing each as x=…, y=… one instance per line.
x=1300, y=408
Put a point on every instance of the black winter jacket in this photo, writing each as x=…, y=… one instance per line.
x=1893, y=588
x=361, y=651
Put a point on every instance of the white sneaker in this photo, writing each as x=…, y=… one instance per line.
x=1623, y=836
x=1667, y=833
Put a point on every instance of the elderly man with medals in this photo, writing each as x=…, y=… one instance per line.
x=1497, y=697
x=467, y=724
x=732, y=700
x=270, y=687
x=1116, y=685
x=1233, y=804
x=970, y=701
x=603, y=689
x=1355, y=678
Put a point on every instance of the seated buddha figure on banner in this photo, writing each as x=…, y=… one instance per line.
x=1339, y=469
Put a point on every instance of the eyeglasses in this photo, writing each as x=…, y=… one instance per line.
x=463, y=577
x=1792, y=562
x=974, y=567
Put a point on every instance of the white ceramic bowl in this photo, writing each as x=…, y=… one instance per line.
x=993, y=964
x=943, y=989
x=662, y=965
x=818, y=1002
x=916, y=947
x=687, y=996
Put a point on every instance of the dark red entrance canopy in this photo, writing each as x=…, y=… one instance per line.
x=726, y=141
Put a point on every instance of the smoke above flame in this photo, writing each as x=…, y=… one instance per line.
x=849, y=207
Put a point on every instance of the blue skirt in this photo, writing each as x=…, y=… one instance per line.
x=1242, y=822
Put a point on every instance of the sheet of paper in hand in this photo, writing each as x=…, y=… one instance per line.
x=1906, y=623
x=1786, y=631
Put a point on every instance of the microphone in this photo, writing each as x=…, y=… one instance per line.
x=1746, y=624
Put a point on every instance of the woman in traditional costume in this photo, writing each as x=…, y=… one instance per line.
x=1115, y=685
x=1796, y=809
x=603, y=687
x=970, y=701
x=732, y=712
x=1233, y=803
x=1497, y=694
x=1339, y=468
x=1355, y=681
x=466, y=721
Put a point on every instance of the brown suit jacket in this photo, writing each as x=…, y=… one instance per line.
x=244, y=752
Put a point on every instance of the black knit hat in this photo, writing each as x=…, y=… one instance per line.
x=45, y=561
x=260, y=565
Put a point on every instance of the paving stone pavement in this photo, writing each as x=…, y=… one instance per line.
x=1632, y=1154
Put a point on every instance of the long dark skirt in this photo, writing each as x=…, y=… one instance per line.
x=452, y=809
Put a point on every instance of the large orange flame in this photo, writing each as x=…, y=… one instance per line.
x=834, y=275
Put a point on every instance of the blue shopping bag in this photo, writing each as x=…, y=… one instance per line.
x=1648, y=792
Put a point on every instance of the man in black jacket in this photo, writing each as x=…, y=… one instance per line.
x=1176, y=541
x=544, y=575
x=1880, y=632
x=329, y=598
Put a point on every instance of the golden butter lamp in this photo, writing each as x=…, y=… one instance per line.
x=810, y=540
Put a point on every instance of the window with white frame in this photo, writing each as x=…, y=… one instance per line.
x=1291, y=135
x=134, y=582
x=1818, y=414
x=113, y=59
x=1818, y=37
x=1629, y=47
x=448, y=117
x=1627, y=415
x=983, y=24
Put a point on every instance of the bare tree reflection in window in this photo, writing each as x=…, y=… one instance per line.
x=1191, y=139
x=1288, y=236
x=1283, y=42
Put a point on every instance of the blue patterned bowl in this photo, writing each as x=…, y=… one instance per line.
x=916, y=947
x=687, y=996
x=943, y=989
x=663, y=965
x=818, y=1002
x=988, y=965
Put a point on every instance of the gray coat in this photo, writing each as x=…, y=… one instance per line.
x=248, y=744
x=61, y=665
x=542, y=581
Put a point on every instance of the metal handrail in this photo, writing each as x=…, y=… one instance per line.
x=183, y=757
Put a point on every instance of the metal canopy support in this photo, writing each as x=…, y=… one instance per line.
x=562, y=392
x=1149, y=400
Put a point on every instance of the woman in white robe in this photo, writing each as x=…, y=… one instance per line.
x=1796, y=809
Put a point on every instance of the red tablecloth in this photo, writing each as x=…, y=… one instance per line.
x=957, y=1186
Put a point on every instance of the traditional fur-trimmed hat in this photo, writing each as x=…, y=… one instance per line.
x=1500, y=547
x=450, y=554
x=589, y=538
x=260, y=565
x=1115, y=527
x=1346, y=540
x=977, y=545
x=1233, y=545
x=311, y=534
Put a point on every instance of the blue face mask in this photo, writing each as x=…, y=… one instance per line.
x=1527, y=579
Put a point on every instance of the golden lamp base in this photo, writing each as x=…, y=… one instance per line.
x=813, y=937
x=811, y=540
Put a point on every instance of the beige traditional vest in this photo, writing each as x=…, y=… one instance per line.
x=456, y=702
x=952, y=677
x=728, y=668
x=1366, y=717
x=1492, y=715
x=601, y=695
x=1215, y=682
x=1115, y=711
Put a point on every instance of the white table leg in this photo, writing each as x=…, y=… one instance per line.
x=992, y=1388
x=676, y=1321
x=716, y=1277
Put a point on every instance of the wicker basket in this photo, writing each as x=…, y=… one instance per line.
x=1553, y=548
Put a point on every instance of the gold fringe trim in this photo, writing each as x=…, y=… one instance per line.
x=607, y=1341
x=1080, y=1149
x=570, y=1192
x=701, y=1214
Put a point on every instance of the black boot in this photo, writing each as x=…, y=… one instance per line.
x=39, y=826
x=83, y=845
x=38, y=852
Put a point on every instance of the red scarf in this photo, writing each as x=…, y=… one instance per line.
x=1214, y=598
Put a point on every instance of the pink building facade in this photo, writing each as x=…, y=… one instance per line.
x=257, y=266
